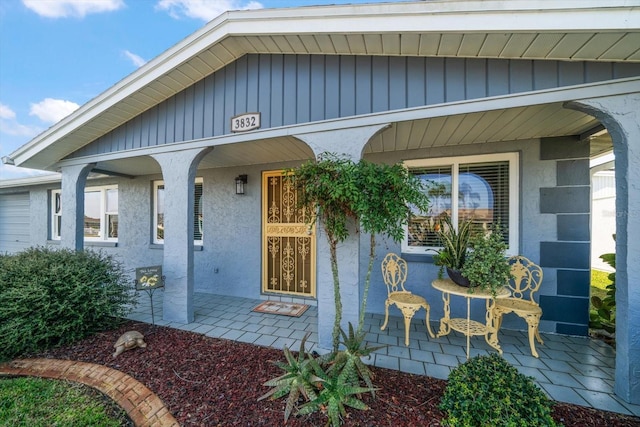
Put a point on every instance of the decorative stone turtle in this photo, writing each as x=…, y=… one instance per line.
x=129, y=340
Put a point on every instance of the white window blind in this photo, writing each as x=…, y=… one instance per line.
x=158, y=212
x=482, y=189
x=483, y=195
x=111, y=213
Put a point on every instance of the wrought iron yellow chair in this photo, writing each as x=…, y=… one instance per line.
x=527, y=278
x=394, y=273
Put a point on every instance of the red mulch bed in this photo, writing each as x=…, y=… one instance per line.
x=214, y=382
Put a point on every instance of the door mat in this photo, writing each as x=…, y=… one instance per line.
x=284, y=308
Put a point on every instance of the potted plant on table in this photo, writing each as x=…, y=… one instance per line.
x=486, y=266
x=455, y=247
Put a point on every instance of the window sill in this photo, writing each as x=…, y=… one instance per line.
x=88, y=243
x=196, y=248
x=416, y=257
x=101, y=244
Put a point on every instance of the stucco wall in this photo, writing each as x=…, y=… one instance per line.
x=229, y=260
x=535, y=227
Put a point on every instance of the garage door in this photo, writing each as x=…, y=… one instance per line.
x=14, y=222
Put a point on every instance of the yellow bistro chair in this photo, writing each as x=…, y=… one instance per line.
x=394, y=273
x=527, y=278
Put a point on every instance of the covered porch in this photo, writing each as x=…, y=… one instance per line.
x=570, y=369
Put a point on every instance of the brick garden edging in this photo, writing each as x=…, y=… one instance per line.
x=141, y=404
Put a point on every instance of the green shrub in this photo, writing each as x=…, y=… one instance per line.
x=55, y=297
x=488, y=391
x=603, y=313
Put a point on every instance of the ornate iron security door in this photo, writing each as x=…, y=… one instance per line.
x=288, y=244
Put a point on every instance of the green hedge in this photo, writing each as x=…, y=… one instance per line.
x=55, y=297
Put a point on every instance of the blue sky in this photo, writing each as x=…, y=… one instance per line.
x=56, y=55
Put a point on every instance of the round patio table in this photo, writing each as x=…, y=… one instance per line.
x=467, y=326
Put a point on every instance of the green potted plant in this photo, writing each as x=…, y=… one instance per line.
x=486, y=266
x=455, y=246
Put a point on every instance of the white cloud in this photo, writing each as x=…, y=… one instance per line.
x=52, y=110
x=204, y=9
x=6, y=112
x=135, y=59
x=77, y=8
x=12, y=135
x=10, y=126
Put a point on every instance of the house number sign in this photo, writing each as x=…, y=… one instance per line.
x=245, y=122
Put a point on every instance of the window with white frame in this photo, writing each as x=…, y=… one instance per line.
x=100, y=213
x=483, y=189
x=158, y=212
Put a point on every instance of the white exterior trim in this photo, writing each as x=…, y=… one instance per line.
x=55, y=231
x=154, y=212
x=34, y=180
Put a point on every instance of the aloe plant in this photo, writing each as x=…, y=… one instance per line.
x=328, y=383
x=354, y=350
x=336, y=392
x=297, y=380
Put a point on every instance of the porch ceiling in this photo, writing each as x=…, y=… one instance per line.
x=561, y=30
x=538, y=121
x=522, y=123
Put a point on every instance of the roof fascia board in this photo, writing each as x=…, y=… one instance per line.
x=449, y=16
x=405, y=21
x=573, y=93
x=30, y=181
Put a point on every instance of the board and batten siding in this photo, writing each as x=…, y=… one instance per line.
x=15, y=230
x=294, y=89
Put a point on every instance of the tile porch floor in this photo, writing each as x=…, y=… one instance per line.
x=570, y=369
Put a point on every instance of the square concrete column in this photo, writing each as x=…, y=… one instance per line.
x=74, y=179
x=621, y=116
x=178, y=171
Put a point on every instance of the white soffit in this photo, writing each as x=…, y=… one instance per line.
x=558, y=30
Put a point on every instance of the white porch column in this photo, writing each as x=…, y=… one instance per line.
x=349, y=142
x=621, y=116
x=179, y=172
x=74, y=179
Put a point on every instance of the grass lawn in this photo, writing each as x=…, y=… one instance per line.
x=599, y=283
x=29, y=402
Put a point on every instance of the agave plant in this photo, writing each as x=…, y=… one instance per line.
x=328, y=383
x=336, y=391
x=353, y=352
x=297, y=380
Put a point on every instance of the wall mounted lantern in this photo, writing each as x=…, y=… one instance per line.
x=241, y=180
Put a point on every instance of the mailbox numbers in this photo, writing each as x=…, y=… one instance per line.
x=245, y=122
